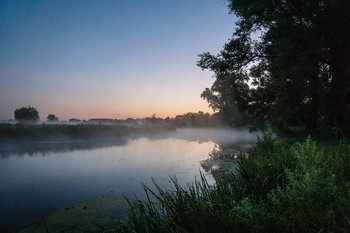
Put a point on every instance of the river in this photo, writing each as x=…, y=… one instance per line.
x=40, y=178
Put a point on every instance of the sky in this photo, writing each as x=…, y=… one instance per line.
x=108, y=59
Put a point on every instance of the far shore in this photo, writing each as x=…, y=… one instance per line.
x=65, y=132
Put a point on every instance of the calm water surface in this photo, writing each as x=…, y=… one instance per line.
x=54, y=175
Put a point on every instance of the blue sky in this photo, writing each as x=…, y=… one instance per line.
x=113, y=59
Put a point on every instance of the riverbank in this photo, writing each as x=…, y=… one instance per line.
x=65, y=132
x=280, y=185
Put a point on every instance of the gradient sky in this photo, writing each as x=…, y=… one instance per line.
x=112, y=59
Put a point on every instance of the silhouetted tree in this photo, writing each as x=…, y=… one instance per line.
x=28, y=113
x=130, y=121
x=52, y=118
x=295, y=56
x=74, y=120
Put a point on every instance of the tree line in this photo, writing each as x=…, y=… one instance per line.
x=30, y=114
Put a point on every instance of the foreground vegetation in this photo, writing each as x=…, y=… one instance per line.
x=278, y=186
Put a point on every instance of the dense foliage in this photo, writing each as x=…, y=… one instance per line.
x=287, y=64
x=277, y=187
x=28, y=113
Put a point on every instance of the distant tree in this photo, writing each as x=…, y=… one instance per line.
x=191, y=119
x=28, y=113
x=101, y=120
x=153, y=119
x=130, y=121
x=74, y=120
x=52, y=118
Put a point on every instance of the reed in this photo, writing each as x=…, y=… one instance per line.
x=278, y=186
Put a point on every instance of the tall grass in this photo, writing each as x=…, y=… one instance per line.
x=277, y=187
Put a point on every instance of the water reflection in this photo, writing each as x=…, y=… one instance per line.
x=47, y=148
x=223, y=158
x=218, y=136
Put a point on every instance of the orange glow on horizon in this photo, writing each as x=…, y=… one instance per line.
x=74, y=109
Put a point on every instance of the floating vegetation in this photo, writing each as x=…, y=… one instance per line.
x=90, y=215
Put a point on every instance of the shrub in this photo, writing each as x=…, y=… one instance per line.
x=52, y=118
x=28, y=113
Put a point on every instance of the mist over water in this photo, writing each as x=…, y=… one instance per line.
x=36, y=182
x=220, y=136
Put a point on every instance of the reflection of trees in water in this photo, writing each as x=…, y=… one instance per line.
x=223, y=158
x=45, y=148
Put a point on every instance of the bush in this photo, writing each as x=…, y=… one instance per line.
x=28, y=113
x=52, y=118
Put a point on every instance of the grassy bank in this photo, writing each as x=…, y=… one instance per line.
x=278, y=186
x=57, y=132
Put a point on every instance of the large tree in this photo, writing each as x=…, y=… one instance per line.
x=296, y=54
